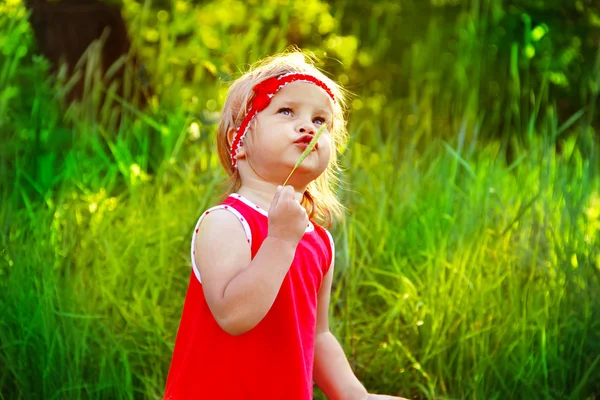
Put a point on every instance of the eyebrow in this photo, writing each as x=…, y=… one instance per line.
x=295, y=104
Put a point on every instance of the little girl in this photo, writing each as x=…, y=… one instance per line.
x=255, y=318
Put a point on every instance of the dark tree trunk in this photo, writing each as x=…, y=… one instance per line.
x=65, y=29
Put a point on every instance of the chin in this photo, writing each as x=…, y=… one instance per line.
x=308, y=174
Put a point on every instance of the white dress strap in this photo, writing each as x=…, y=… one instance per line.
x=204, y=214
x=332, y=246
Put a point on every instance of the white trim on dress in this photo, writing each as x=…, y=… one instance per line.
x=219, y=207
x=250, y=204
x=332, y=244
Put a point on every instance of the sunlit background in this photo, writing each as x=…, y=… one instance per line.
x=468, y=266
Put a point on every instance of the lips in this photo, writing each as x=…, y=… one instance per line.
x=305, y=139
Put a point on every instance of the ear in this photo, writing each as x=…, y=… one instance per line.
x=241, y=153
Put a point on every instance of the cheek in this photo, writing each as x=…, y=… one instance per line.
x=257, y=142
x=251, y=138
x=326, y=144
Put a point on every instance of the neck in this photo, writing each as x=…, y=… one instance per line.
x=260, y=190
x=261, y=193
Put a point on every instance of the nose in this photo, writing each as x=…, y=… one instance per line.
x=305, y=127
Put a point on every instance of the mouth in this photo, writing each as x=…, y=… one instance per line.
x=304, y=140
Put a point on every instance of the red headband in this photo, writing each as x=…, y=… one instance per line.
x=264, y=91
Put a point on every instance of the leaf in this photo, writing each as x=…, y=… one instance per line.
x=571, y=121
x=306, y=151
x=460, y=160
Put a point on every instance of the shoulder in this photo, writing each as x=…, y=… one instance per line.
x=218, y=218
x=220, y=233
x=327, y=240
x=222, y=213
x=324, y=233
x=220, y=226
x=222, y=218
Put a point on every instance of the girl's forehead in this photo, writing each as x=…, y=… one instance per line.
x=304, y=92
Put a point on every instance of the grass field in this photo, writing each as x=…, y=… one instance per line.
x=468, y=265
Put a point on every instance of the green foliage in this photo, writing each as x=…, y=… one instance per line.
x=468, y=266
x=185, y=45
x=462, y=276
x=14, y=46
x=493, y=58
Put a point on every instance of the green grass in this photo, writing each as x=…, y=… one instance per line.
x=459, y=275
x=467, y=267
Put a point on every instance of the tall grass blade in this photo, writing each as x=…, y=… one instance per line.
x=306, y=152
x=571, y=121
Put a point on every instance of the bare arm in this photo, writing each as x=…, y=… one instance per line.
x=332, y=371
x=240, y=291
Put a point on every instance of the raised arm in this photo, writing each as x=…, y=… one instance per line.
x=240, y=291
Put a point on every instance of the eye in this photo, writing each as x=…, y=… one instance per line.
x=319, y=120
x=285, y=111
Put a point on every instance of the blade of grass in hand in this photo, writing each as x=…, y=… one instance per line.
x=306, y=151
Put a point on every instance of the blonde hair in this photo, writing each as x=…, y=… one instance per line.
x=319, y=199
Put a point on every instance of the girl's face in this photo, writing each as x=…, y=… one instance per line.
x=282, y=131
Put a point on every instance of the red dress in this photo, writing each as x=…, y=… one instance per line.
x=274, y=360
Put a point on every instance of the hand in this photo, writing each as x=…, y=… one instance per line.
x=287, y=218
x=383, y=397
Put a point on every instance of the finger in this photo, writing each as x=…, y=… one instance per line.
x=288, y=189
x=287, y=193
x=277, y=196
